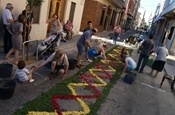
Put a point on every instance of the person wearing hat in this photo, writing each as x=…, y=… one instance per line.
x=130, y=64
x=7, y=19
x=59, y=61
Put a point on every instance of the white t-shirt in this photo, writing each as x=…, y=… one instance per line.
x=130, y=62
x=6, y=14
x=22, y=74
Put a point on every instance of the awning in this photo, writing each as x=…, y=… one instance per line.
x=159, y=18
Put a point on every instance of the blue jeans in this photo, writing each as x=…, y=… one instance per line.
x=142, y=58
x=115, y=37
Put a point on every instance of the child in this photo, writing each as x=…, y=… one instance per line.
x=130, y=64
x=22, y=73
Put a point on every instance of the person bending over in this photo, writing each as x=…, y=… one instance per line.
x=59, y=62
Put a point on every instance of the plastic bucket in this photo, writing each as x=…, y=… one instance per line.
x=7, y=88
x=6, y=70
x=91, y=53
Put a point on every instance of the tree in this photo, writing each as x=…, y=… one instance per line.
x=35, y=2
x=32, y=3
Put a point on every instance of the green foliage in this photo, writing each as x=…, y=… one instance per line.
x=43, y=101
x=150, y=62
x=35, y=2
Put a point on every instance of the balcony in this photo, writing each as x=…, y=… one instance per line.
x=168, y=10
x=119, y=3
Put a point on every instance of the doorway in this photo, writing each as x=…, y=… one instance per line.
x=72, y=11
x=56, y=6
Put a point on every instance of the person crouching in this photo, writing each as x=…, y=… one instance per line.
x=130, y=64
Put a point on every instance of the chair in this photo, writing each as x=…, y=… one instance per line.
x=170, y=78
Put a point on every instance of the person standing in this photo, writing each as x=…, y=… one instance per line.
x=7, y=18
x=160, y=60
x=146, y=48
x=117, y=32
x=84, y=41
x=28, y=14
x=88, y=28
x=16, y=29
x=55, y=24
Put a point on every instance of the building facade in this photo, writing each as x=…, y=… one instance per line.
x=66, y=10
x=165, y=29
x=104, y=14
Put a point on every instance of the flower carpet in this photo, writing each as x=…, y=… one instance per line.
x=88, y=88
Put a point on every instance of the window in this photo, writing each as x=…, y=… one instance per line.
x=36, y=13
x=72, y=11
x=102, y=17
x=171, y=33
x=113, y=18
x=171, y=1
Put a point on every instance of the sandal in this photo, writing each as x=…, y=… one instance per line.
x=81, y=65
x=78, y=66
x=6, y=58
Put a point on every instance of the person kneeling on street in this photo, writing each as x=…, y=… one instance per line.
x=59, y=62
x=130, y=64
x=100, y=51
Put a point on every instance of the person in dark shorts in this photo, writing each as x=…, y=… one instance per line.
x=84, y=41
x=88, y=28
x=160, y=60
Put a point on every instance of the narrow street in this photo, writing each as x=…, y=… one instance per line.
x=142, y=97
x=97, y=87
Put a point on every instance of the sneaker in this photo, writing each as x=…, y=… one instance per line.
x=88, y=60
x=32, y=80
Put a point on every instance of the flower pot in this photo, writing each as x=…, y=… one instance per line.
x=7, y=88
x=72, y=64
x=6, y=70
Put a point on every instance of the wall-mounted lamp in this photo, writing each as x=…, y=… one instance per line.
x=104, y=7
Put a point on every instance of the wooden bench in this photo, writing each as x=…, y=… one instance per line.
x=169, y=70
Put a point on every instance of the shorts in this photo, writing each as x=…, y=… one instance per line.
x=80, y=48
x=58, y=67
x=25, y=79
x=131, y=67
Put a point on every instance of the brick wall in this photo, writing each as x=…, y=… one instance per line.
x=92, y=12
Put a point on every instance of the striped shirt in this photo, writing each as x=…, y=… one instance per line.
x=22, y=74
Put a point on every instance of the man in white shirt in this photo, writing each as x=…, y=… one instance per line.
x=7, y=19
